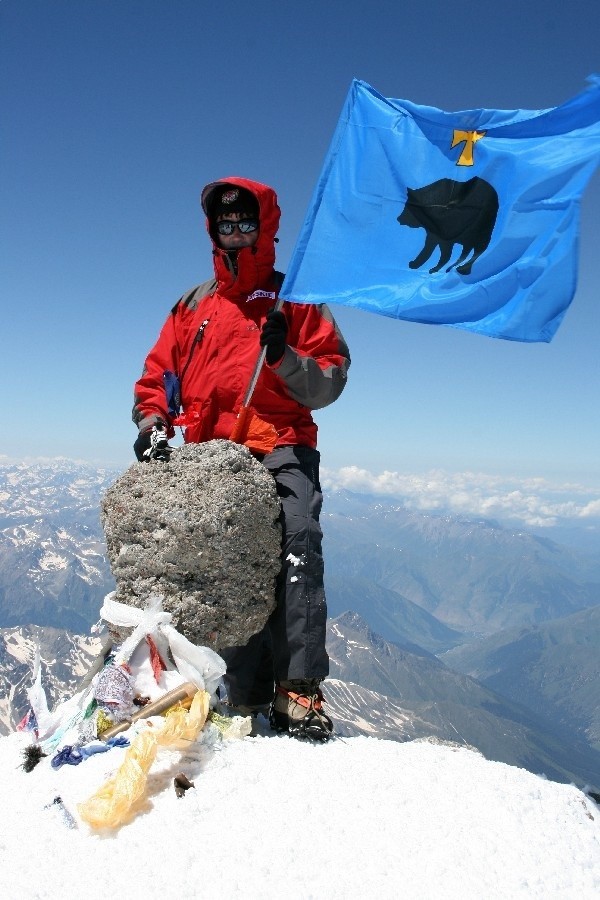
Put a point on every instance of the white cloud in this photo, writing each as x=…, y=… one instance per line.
x=590, y=509
x=535, y=502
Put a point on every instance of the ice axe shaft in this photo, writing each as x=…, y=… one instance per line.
x=259, y=362
x=183, y=692
x=242, y=417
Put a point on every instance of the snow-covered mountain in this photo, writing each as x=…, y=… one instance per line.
x=53, y=569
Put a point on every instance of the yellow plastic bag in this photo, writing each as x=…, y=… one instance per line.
x=183, y=726
x=112, y=803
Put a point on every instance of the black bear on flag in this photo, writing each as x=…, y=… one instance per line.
x=452, y=212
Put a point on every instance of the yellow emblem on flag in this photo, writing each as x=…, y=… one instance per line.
x=469, y=138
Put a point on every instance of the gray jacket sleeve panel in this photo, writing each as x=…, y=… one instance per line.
x=307, y=382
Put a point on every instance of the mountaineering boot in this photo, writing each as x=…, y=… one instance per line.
x=297, y=709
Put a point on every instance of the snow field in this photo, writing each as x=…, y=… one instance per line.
x=272, y=817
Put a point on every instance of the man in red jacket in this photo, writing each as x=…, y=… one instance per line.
x=210, y=343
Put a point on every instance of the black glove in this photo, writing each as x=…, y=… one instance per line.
x=142, y=444
x=152, y=444
x=273, y=335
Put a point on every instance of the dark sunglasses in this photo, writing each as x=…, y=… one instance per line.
x=245, y=226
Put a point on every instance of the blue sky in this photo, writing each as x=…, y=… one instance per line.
x=115, y=113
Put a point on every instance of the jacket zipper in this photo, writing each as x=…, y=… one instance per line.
x=197, y=340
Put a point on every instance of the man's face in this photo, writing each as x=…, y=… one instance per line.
x=237, y=239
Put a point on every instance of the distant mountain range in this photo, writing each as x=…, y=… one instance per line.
x=389, y=613
x=474, y=576
x=411, y=597
x=433, y=581
x=553, y=668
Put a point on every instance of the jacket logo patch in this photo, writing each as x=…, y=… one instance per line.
x=257, y=294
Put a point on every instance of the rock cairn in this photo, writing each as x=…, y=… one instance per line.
x=202, y=530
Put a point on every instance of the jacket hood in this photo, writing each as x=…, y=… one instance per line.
x=254, y=264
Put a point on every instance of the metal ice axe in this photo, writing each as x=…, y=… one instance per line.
x=244, y=413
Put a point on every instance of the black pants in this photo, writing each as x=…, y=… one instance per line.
x=292, y=644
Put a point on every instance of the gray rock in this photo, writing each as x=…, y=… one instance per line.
x=202, y=530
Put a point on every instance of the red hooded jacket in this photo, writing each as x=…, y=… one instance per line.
x=210, y=341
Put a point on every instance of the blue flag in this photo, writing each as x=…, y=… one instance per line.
x=468, y=219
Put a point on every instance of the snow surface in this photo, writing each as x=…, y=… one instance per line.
x=273, y=817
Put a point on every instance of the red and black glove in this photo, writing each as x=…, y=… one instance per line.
x=273, y=335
